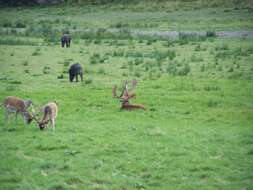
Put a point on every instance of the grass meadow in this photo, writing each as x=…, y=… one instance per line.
x=195, y=134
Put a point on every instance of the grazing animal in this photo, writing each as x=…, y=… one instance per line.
x=125, y=96
x=65, y=40
x=16, y=105
x=75, y=70
x=50, y=111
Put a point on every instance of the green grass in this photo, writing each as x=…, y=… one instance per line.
x=195, y=134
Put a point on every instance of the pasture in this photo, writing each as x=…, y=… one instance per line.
x=195, y=134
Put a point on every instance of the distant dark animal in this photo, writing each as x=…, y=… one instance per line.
x=75, y=70
x=65, y=39
x=126, y=95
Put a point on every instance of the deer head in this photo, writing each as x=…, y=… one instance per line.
x=126, y=93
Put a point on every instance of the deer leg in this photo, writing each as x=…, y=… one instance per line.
x=16, y=117
x=77, y=78
x=6, y=116
x=81, y=76
x=53, y=123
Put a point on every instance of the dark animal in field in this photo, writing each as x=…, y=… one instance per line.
x=50, y=111
x=125, y=96
x=75, y=70
x=16, y=105
x=65, y=40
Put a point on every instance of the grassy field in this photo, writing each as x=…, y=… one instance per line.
x=197, y=130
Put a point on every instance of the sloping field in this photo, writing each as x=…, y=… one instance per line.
x=195, y=134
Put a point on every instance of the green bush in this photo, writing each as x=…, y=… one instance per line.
x=20, y=24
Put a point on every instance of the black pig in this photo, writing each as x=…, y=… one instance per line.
x=75, y=70
x=65, y=39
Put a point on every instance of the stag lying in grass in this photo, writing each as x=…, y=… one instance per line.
x=16, y=105
x=50, y=111
x=126, y=95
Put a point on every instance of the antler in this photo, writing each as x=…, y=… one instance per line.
x=34, y=117
x=125, y=92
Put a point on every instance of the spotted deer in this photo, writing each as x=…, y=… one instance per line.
x=16, y=105
x=126, y=95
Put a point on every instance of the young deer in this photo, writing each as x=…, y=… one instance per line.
x=16, y=105
x=49, y=111
x=126, y=95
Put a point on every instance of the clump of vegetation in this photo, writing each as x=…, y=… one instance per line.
x=118, y=53
x=36, y=52
x=184, y=70
x=11, y=88
x=20, y=24
x=25, y=63
x=61, y=76
x=195, y=58
x=101, y=71
x=211, y=88
x=88, y=81
x=46, y=70
x=7, y=24
x=14, y=82
x=210, y=34
x=26, y=71
x=94, y=58
x=223, y=47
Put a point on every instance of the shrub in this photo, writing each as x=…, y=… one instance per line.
x=97, y=41
x=88, y=81
x=15, y=82
x=11, y=88
x=26, y=71
x=130, y=66
x=138, y=61
x=171, y=54
x=94, y=58
x=46, y=70
x=223, y=47
x=210, y=34
x=124, y=74
x=211, y=88
x=184, y=70
x=25, y=63
x=194, y=58
x=7, y=24
x=101, y=71
x=61, y=76
x=20, y=24
x=203, y=68
x=137, y=73
x=118, y=53
x=124, y=66
x=36, y=52
x=13, y=41
x=230, y=69
x=171, y=69
x=133, y=54
x=191, y=37
x=212, y=103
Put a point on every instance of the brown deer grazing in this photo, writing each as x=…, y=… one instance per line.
x=16, y=105
x=49, y=111
x=126, y=95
